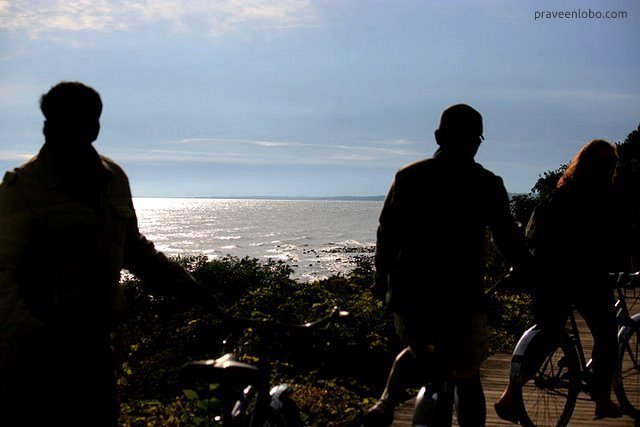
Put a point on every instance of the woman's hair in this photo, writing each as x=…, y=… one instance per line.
x=594, y=165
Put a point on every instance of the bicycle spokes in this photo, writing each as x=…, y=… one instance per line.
x=548, y=398
x=632, y=353
x=628, y=384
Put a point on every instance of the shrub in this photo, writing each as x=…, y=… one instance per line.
x=335, y=373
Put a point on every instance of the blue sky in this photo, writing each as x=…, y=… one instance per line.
x=318, y=98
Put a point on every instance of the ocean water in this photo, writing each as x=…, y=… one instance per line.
x=316, y=237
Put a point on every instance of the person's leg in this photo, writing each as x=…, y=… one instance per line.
x=86, y=366
x=469, y=353
x=470, y=401
x=96, y=378
x=60, y=380
x=550, y=309
x=506, y=407
x=597, y=310
x=402, y=370
x=434, y=405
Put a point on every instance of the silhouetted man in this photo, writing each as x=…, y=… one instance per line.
x=430, y=264
x=67, y=228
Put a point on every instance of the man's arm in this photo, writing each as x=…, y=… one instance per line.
x=505, y=232
x=386, y=245
x=163, y=276
x=15, y=227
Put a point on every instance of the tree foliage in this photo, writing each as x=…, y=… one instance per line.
x=336, y=374
x=158, y=335
x=628, y=175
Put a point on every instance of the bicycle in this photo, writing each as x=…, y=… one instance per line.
x=549, y=369
x=246, y=396
x=435, y=407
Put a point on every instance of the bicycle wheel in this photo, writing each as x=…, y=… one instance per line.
x=282, y=411
x=549, y=397
x=627, y=387
x=287, y=416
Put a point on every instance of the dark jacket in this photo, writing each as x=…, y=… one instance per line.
x=577, y=238
x=432, y=233
x=65, y=235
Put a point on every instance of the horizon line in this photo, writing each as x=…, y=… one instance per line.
x=379, y=197
x=376, y=197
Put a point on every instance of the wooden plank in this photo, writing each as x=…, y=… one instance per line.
x=495, y=375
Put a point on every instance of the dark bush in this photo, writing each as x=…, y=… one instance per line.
x=335, y=374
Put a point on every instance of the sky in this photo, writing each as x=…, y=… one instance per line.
x=319, y=97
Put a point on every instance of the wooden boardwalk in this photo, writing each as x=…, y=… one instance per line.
x=495, y=375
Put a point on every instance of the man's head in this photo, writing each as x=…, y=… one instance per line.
x=460, y=130
x=72, y=115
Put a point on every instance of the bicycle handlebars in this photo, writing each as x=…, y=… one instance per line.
x=274, y=324
x=625, y=280
x=622, y=280
x=500, y=282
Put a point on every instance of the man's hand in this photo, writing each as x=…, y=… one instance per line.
x=520, y=277
x=379, y=288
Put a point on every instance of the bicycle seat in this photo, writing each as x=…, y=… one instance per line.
x=224, y=370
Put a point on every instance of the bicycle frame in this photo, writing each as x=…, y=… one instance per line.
x=549, y=367
x=254, y=380
x=583, y=364
x=532, y=348
x=522, y=351
x=623, y=317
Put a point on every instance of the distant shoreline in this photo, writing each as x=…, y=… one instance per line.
x=287, y=198
x=291, y=198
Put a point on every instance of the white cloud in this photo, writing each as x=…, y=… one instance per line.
x=19, y=88
x=273, y=144
x=578, y=94
x=402, y=142
x=41, y=18
x=38, y=17
x=244, y=151
x=15, y=156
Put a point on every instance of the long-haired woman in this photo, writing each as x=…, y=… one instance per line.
x=573, y=237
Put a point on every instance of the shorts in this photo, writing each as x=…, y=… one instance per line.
x=458, y=350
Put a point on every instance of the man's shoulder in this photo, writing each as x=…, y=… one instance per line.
x=486, y=175
x=481, y=170
x=111, y=165
x=435, y=165
x=10, y=178
x=19, y=185
x=16, y=177
x=118, y=181
x=115, y=170
x=418, y=167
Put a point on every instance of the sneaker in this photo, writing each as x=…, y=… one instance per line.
x=379, y=415
x=506, y=412
x=608, y=409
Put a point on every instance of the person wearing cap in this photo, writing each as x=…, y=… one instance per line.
x=67, y=228
x=430, y=265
